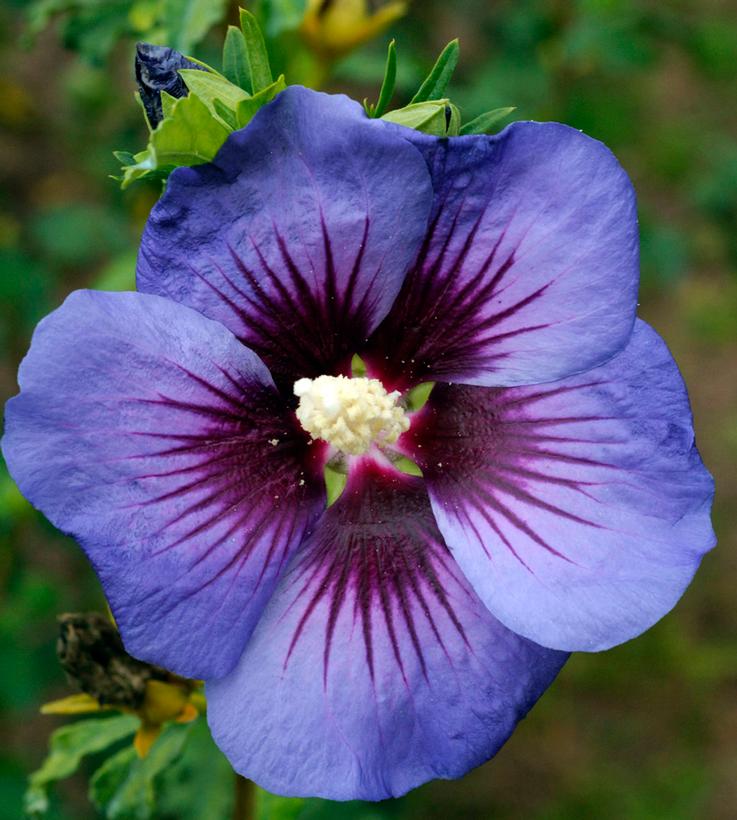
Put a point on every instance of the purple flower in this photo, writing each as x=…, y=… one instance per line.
x=398, y=635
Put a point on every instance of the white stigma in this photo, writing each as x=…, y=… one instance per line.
x=350, y=414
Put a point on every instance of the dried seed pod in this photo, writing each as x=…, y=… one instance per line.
x=91, y=652
x=157, y=70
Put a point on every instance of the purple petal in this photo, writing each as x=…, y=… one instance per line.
x=298, y=236
x=579, y=511
x=529, y=270
x=151, y=435
x=375, y=667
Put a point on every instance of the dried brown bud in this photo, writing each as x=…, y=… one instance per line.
x=92, y=654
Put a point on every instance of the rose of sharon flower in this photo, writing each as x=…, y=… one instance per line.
x=180, y=434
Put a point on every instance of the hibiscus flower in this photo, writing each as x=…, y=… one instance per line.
x=181, y=435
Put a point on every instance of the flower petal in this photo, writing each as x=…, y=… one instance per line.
x=298, y=236
x=529, y=271
x=375, y=667
x=579, y=511
x=149, y=433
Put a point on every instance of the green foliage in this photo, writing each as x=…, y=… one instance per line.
x=437, y=117
x=663, y=252
x=76, y=233
x=658, y=83
x=24, y=607
x=24, y=287
x=273, y=807
x=714, y=45
x=110, y=778
x=235, y=59
x=119, y=273
x=93, y=27
x=486, y=123
x=67, y=747
x=388, y=84
x=247, y=108
x=209, y=87
x=190, y=135
x=187, y=21
x=256, y=55
x=278, y=16
x=429, y=110
x=123, y=788
x=199, y=786
x=194, y=127
x=436, y=82
x=167, y=106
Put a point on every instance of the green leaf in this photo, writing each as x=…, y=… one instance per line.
x=190, y=136
x=123, y=157
x=106, y=781
x=67, y=746
x=227, y=115
x=124, y=785
x=91, y=27
x=433, y=88
x=390, y=79
x=199, y=785
x=143, y=166
x=486, y=123
x=167, y=104
x=235, y=59
x=248, y=108
x=437, y=117
x=187, y=21
x=274, y=807
x=210, y=87
x=258, y=60
x=42, y=12
x=279, y=16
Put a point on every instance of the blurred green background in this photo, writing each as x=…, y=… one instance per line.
x=647, y=731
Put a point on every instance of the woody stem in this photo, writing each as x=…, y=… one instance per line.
x=245, y=799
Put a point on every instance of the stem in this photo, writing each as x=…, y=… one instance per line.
x=245, y=799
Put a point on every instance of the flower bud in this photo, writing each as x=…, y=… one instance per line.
x=334, y=27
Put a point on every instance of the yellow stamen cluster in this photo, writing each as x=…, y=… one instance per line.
x=350, y=414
